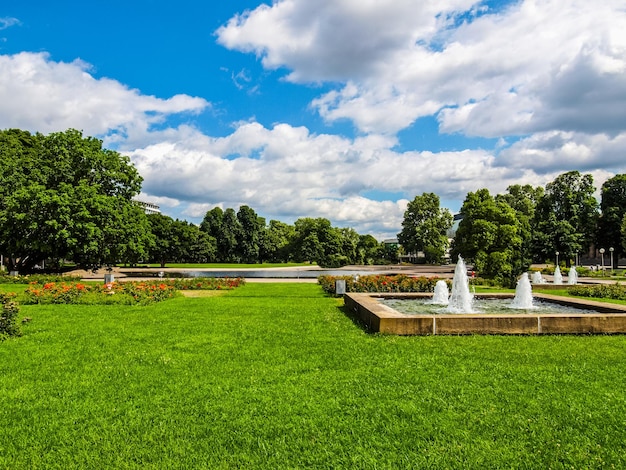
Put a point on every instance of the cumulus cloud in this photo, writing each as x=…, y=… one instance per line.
x=546, y=78
x=287, y=172
x=558, y=151
x=42, y=95
x=537, y=65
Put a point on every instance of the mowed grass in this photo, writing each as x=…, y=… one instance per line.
x=277, y=376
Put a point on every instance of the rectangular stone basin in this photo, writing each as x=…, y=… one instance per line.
x=379, y=318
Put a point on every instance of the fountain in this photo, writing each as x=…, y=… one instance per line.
x=413, y=314
x=461, y=299
x=572, y=276
x=558, y=277
x=523, y=294
x=440, y=297
x=538, y=278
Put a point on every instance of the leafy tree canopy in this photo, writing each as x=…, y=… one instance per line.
x=425, y=227
x=63, y=196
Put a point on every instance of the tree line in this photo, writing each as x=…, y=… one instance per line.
x=63, y=197
x=503, y=234
x=242, y=236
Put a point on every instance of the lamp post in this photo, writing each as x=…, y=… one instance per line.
x=611, y=250
x=602, y=253
x=557, y=258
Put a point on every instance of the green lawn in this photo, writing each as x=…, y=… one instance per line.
x=277, y=376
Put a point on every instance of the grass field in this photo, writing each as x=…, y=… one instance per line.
x=277, y=376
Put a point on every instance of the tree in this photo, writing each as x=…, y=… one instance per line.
x=613, y=209
x=524, y=200
x=63, y=196
x=317, y=241
x=624, y=233
x=249, y=235
x=165, y=247
x=425, y=226
x=224, y=227
x=489, y=237
x=566, y=217
x=277, y=242
x=370, y=251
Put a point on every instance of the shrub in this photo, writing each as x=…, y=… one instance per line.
x=206, y=283
x=603, y=291
x=380, y=283
x=125, y=293
x=8, y=316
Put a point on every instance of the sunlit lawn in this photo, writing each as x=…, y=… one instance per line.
x=277, y=376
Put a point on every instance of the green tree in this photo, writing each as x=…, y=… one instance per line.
x=349, y=246
x=370, y=250
x=317, y=241
x=566, y=217
x=624, y=233
x=425, y=226
x=250, y=234
x=63, y=196
x=612, y=211
x=224, y=227
x=277, y=242
x=524, y=200
x=489, y=237
x=166, y=246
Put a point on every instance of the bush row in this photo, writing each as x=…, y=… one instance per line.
x=380, y=283
x=125, y=293
x=605, y=291
x=9, y=325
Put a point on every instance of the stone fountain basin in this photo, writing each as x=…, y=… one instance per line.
x=378, y=318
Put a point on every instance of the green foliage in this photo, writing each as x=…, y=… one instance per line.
x=380, y=283
x=623, y=232
x=600, y=291
x=206, y=283
x=250, y=234
x=124, y=293
x=566, y=217
x=63, y=196
x=491, y=236
x=277, y=239
x=613, y=211
x=9, y=325
x=177, y=241
x=425, y=226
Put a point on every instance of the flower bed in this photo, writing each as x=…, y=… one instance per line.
x=380, y=283
x=126, y=293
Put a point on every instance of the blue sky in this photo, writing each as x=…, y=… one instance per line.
x=341, y=109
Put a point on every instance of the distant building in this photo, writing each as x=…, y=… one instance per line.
x=149, y=207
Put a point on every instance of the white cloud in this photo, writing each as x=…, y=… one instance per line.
x=39, y=94
x=556, y=151
x=7, y=22
x=287, y=172
x=537, y=65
